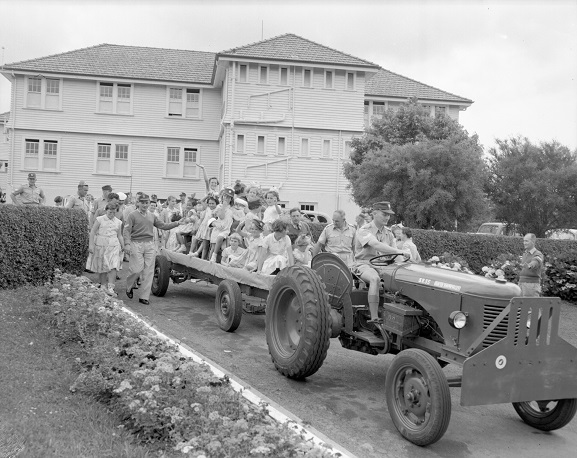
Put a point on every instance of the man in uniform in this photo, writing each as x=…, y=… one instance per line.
x=79, y=200
x=29, y=195
x=338, y=238
x=139, y=244
x=531, y=266
x=374, y=239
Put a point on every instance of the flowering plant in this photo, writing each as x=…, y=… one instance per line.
x=451, y=262
x=162, y=397
x=505, y=267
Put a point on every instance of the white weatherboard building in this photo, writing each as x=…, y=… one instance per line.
x=280, y=112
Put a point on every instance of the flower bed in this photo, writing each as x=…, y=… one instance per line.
x=163, y=397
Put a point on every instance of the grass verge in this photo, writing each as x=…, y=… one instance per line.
x=39, y=416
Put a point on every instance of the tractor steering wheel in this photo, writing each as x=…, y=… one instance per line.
x=384, y=259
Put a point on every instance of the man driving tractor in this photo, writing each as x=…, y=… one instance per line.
x=374, y=239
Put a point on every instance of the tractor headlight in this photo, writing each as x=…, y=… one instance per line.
x=458, y=319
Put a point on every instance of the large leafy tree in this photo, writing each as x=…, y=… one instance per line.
x=532, y=185
x=430, y=169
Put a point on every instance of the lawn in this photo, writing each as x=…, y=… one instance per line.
x=39, y=416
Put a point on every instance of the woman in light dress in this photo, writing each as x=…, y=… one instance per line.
x=106, y=243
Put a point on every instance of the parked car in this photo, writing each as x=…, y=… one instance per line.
x=316, y=217
x=499, y=229
x=562, y=234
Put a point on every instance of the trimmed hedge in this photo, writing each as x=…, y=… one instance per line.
x=34, y=241
x=479, y=250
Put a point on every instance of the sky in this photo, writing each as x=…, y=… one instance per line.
x=517, y=60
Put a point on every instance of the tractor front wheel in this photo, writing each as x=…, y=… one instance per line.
x=547, y=415
x=418, y=397
x=298, y=324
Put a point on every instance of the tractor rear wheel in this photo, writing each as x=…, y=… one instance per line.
x=161, y=277
x=298, y=324
x=418, y=397
x=547, y=415
x=228, y=305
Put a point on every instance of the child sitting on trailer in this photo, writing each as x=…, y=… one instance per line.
x=233, y=252
x=253, y=241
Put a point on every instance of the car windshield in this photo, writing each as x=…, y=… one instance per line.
x=488, y=229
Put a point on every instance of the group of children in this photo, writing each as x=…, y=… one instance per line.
x=247, y=223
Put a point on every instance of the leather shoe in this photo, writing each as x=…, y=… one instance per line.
x=129, y=293
x=143, y=301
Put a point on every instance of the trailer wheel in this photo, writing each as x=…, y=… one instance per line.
x=418, y=397
x=547, y=415
x=297, y=320
x=161, y=276
x=228, y=305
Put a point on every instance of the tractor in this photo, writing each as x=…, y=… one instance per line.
x=431, y=317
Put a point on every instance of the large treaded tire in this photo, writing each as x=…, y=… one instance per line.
x=418, y=397
x=298, y=322
x=228, y=305
x=161, y=277
x=542, y=416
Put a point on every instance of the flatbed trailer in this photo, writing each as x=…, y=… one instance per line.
x=232, y=284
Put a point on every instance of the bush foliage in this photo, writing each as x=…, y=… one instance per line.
x=480, y=250
x=34, y=241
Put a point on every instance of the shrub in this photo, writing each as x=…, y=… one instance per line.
x=34, y=241
x=481, y=250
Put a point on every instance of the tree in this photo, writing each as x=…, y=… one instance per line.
x=430, y=169
x=534, y=186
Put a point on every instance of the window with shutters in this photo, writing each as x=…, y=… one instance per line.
x=281, y=146
x=112, y=159
x=41, y=154
x=243, y=73
x=307, y=77
x=283, y=76
x=350, y=81
x=43, y=93
x=329, y=79
x=305, y=147
x=182, y=162
x=184, y=102
x=263, y=74
x=327, y=149
x=260, y=144
x=240, y=143
x=115, y=98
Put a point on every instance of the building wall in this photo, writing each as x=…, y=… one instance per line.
x=79, y=113
x=77, y=153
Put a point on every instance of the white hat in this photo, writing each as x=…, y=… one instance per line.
x=121, y=196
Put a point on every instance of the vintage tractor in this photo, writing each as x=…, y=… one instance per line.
x=508, y=346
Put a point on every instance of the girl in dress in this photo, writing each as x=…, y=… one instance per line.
x=301, y=253
x=212, y=188
x=272, y=211
x=253, y=241
x=221, y=227
x=204, y=231
x=106, y=243
x=275, y=253
x=233, y=252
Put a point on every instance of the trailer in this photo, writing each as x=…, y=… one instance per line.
x=232, y=283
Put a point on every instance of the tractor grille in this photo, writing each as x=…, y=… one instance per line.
x=490, y=312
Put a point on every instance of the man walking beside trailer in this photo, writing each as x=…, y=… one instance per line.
x=139, y=244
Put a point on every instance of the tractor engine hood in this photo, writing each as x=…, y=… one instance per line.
x=398, y=276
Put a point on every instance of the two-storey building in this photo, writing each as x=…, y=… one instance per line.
x=280, y=112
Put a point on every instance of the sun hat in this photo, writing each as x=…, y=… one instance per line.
x=385, y=207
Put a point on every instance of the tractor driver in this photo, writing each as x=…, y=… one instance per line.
x=374, y=239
